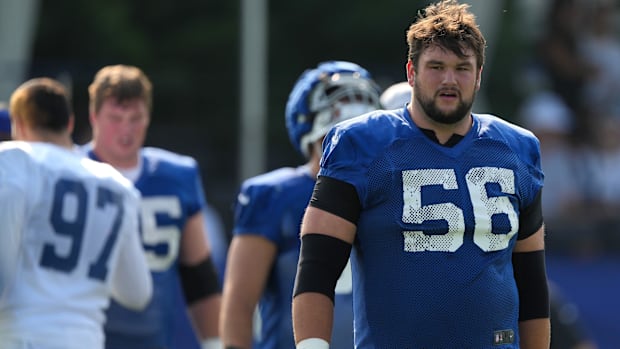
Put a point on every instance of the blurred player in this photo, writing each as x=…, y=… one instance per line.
x=69, y=237
x=219, y=240
x=440, y=206
x=172, y=221
x=264, y=250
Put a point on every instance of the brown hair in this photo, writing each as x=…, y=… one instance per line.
x=447, y=24
x=122, y=82
x=42, y=103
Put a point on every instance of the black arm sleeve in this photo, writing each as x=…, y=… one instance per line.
x=337, y=197
x=321, y=261
x=531, y=278
x=531, y=218
x=199, y=281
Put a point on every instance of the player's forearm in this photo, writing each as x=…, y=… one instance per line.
x=205, y=315
x=312, y=316
x=236, y=326
x=535, y=334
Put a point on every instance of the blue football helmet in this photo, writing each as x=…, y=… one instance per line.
x=332, y=92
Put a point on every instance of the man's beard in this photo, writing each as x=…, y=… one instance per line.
x=435, y=114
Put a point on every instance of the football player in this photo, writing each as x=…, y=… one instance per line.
x=172, y=221
x=265, y=247
x=440, y=206
x=70, y=237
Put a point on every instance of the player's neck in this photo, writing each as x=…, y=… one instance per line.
x=313, y=167
x=315, y=159
x=121, y=164
x=132, y=173
x=443, y=132
x=59, y=139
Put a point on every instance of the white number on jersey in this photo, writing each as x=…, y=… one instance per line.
x=161, y=242
x=484, y=207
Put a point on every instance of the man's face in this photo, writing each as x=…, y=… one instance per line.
x=119, y=131
x=445, y=85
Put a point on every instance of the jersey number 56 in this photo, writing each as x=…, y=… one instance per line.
x=484, y=207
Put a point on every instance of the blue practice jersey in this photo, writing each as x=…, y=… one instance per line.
x=172, y=192
x=432, y=255
x=272, y=205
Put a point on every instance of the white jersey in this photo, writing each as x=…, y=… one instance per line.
x=68, y=242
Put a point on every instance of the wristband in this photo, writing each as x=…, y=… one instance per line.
x=313, y=343
x=212, y=343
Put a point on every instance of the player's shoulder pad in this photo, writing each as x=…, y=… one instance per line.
x=282, y=181
x=273, y=177
x=15, y=155
x=170, y=164
x=494, y=127
x=162, y=155
x=105, y=170
x=370, y=133
x=375, y=126
x=15, y=147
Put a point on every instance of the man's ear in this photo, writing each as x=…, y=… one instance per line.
x=479, y=79
x=410, y=71
x=71, y=124
x=91, y=117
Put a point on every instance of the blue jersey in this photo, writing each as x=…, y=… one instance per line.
x=272, y=205
x=172, y=192
x=432, y=254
